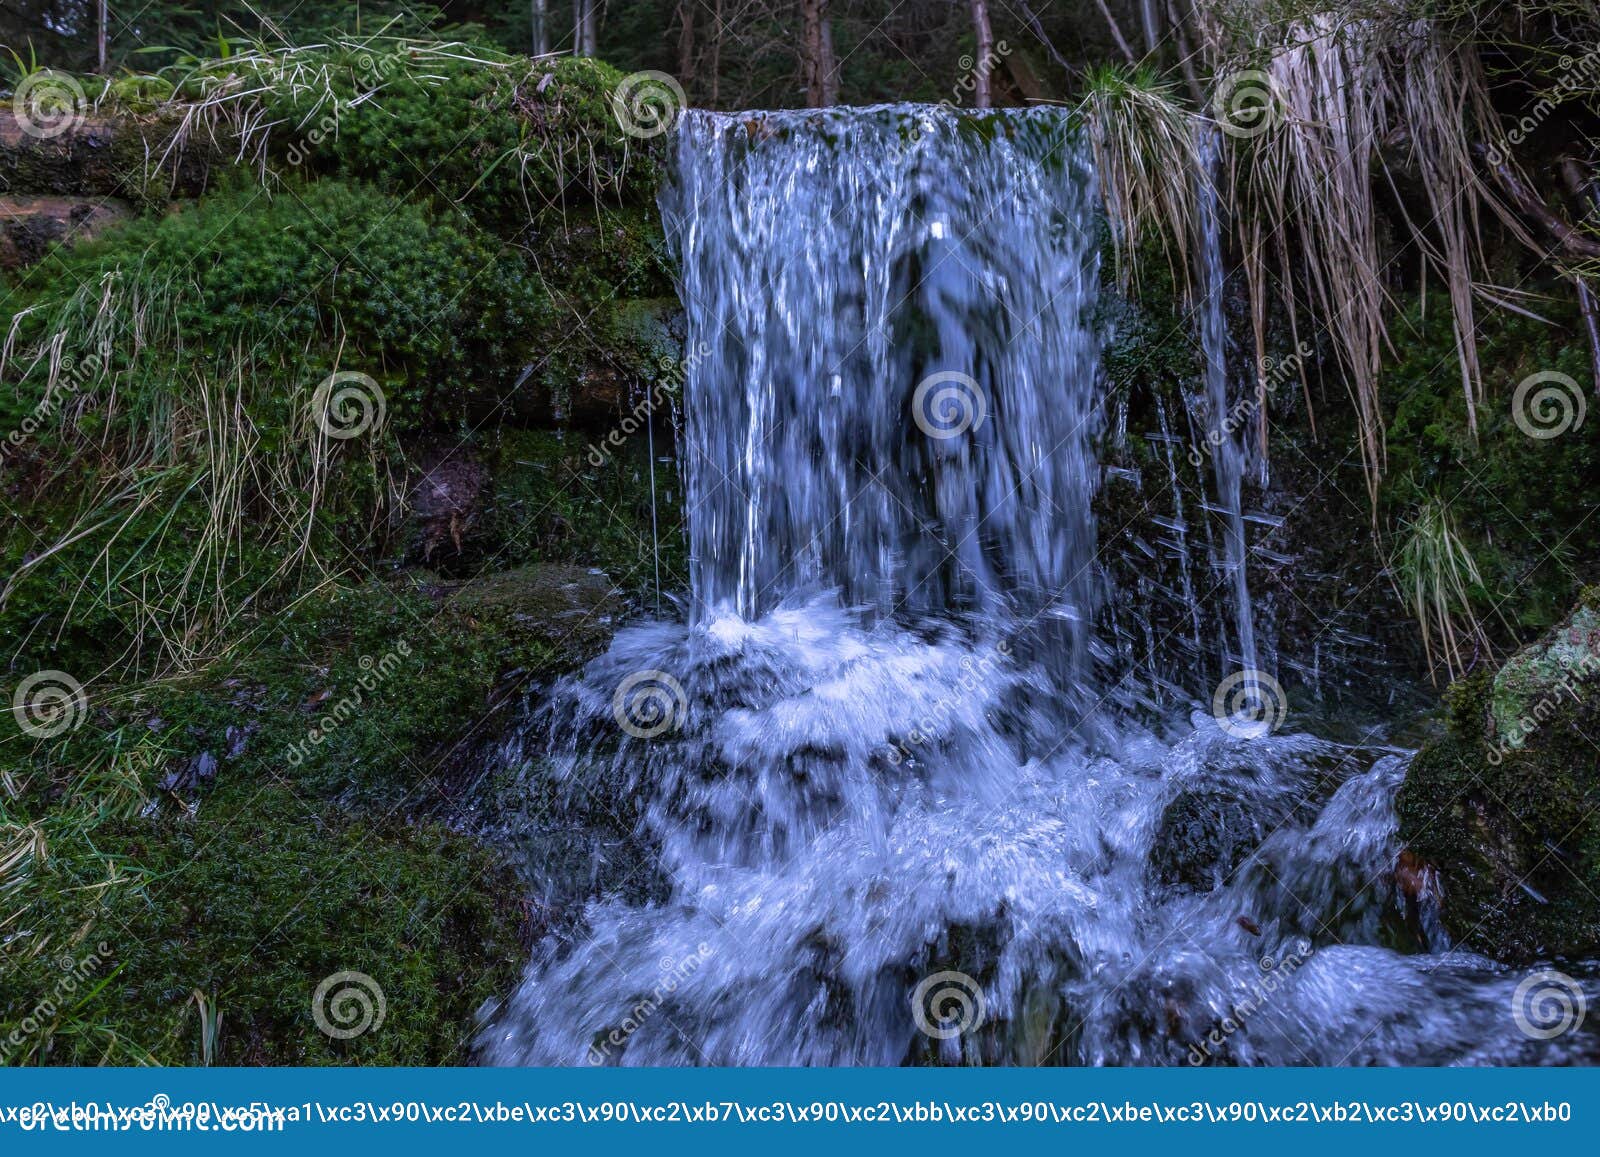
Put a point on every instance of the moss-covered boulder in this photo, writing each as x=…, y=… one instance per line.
x=1506, y=804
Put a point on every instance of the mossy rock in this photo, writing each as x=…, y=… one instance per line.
x=110, y=154
x=602, y=360
x=1504, y=804
x=1570, y=652
x=611, y=251
x=538, y=609
x=283, y=819
x=251, y=902
x=556, y=497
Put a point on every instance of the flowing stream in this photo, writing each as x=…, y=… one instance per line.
x=898, y=805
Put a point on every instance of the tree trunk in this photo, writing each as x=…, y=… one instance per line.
x=1150, y=18
x=1179, y=13
x=1588, y=308
x=686, y=40
x=584, y=40
x=983, y=59
x=540, y=27
x=105, y=19
x=816, y=55
x=830, y=69
x=716, y=55
x=1116, y=31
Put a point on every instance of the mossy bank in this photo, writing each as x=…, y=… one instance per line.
x=300, y=506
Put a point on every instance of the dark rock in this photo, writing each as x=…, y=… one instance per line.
x=29, y=225
x=1204, y=836
x=568, y=608
x=1499, y=814
x=445, y=500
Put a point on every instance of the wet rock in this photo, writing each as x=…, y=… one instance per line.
x=1531, y=684
x=1499, y=813
x=620, y=362
x=1203, y=837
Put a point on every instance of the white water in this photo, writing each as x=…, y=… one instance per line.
x=883, y=748
x=1227, y=455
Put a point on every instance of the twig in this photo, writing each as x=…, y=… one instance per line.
x=1584, y=190
x=1568, y=235
x=1116, y=32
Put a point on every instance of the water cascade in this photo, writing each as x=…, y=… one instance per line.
x=893, y=810
x=1226, y=453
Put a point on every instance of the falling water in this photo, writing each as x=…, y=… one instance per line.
x=891, y=811
x=1227, y=456
x=895, y=394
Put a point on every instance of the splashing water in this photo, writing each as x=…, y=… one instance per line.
x=895, y=815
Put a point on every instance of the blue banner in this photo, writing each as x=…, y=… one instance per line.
x=787, y=1110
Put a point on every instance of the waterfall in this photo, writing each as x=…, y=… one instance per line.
x=1227, y=455
x=885, y=806
x=894, y=389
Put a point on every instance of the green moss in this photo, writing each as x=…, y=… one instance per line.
x=278, y=811
x=319, y=276
x=556, y=499
x=603, y=253
x=1526, y=538
x=1506, y=809
x=1466, y=706
x=329, y=736
x=504, y=140
x=1535, y=671
x=364, y=693
x=252, y=902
